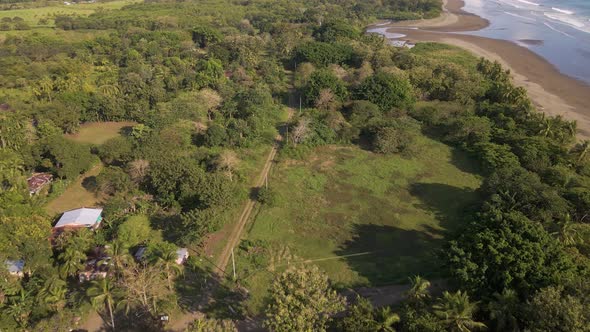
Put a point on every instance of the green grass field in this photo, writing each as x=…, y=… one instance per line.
x=75, y=196
x=391, y=211
x=33, y=15
x=99, y=132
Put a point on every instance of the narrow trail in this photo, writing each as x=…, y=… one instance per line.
x=236, y=233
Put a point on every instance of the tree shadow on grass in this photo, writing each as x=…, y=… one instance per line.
x=465, y=162
x=90, y=184
x=451, y=205
x=201, y=289
x=387, y=254
x=126, y=131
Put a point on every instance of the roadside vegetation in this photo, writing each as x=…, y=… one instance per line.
x=410, y=164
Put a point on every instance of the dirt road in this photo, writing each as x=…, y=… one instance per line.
x=236, y=232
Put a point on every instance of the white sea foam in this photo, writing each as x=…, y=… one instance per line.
x=509, y=3
x=520, y=16
x=557, y=30
x=529, y=2
x=563, y=11
x=566, y=20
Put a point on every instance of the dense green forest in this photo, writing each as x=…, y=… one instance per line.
x=204, y=84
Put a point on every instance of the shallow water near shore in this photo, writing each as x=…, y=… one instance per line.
x=557, y=30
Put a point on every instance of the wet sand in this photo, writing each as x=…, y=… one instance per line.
x=551, y=91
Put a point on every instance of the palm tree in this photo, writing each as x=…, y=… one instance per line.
x=119, y=254
x=456, y=311
x=20, y=307
x=109, y=90
x=165, y=256
x=53, y=293
x=547, y=127
x=502, y=311
x=568, y=232
x=385, y=319
x=582, y=149
x=103, y=292
x=71, y=260
x=419, y=289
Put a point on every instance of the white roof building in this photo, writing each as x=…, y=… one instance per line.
x=181, y=256
x=83, y=217
x=15, y=267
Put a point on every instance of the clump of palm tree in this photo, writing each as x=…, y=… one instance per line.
x=164, y=255
x=385, y=319
x=456, y=312
x=503, y=309
x=419, y=289
x=102, y=292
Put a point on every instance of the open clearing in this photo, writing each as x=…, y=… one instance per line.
x=99, y=132
x=75, y=196
x=387, y=214
x=33, y=15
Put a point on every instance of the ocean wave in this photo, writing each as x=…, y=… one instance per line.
x=520, y=16
x=557, y=30
x=563, y=11
x=502, y=2
x=529, y=2
x=567, y=20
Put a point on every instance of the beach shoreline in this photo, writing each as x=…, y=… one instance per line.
x=553, y=92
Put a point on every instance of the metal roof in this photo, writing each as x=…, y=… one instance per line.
x=79, y=217
x=16, y=266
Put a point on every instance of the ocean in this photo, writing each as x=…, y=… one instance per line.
x=558, y=30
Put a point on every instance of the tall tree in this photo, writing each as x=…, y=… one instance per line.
x=71, y=261
x=419, y=289
x=164, y=255
x=385, y=319
x=456, y=311
x=504, y=310
x=301, y=300
x=53, y=293
x=102, y=292
x=227, y=161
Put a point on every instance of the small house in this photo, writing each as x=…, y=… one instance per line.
x=139, y=253
x=37, y=181
x=15, y=267
x=79, y=218
x=181, y=255
x=97, y=265
x=94, y=269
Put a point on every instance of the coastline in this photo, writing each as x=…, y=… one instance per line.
x=551, y=91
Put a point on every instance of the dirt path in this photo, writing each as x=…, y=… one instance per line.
x=236, y=232
x=181, y=323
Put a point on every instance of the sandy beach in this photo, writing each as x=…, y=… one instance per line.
x=552, y=92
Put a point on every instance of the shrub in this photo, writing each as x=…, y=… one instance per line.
x=266, y=196
x=386, y=90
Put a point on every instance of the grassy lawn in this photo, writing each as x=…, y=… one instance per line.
x=447, y=53
x=76, y=195
x=99, y=132
x=391, y=211
x=33, y=15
